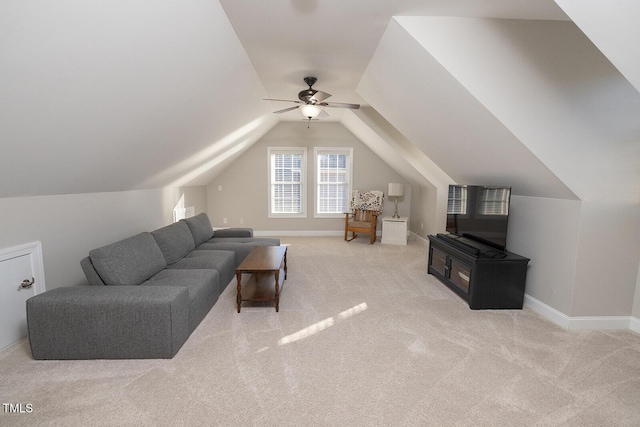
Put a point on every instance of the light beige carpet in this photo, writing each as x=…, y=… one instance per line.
x=364, y=337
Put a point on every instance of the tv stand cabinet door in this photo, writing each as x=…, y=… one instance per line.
x=438, y=262
x=450, y=270
x=460, y=275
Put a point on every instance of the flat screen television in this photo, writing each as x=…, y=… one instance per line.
x=480, y=213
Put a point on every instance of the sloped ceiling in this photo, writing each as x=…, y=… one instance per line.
x=389, y=144
x=532, y=103
x=110, y=96
x=438, y=114
x=613, y=28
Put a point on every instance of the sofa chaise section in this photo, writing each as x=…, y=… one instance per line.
x=164, y=258
x=108, y=322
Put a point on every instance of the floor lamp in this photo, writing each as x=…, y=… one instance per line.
x=396, y=190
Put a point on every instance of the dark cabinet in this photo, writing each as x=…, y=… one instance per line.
x=485, y=277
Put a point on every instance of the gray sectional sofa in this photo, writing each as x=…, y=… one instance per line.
x=148, y=293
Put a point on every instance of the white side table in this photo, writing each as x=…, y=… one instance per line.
x=394, y=230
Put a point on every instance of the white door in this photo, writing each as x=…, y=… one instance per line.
x=17, y=266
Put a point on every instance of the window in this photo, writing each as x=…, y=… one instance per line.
x=494, y=201
x=179, y=211
x=457, y=204
x=287, y=169
x=333, y=181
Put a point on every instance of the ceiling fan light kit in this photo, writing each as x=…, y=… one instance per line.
x=310, y=111
x=311, y=101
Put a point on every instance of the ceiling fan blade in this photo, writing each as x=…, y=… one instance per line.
x=320, y=96
x=340, y=105
x=286, y=109
x=282, y=100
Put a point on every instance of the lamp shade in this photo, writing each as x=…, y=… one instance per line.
x=310, y=111
x=396, y=189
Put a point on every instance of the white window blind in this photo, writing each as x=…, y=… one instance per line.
x=286, y=181
x=333, y=180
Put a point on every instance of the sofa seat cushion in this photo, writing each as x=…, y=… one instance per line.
x=175, y=241
x=200, y=228
x=240, y=245
x=222, y=261
x=203, y=287
x=128, y=262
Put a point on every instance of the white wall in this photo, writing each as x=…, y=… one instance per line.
x=584, y=255
x=546, y=231
x=69, y=226
x=244, y=183
x=426, y=213
x=607, y=262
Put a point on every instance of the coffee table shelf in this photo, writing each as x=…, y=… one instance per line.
x=268, y=268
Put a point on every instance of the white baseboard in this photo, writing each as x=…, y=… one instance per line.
x=303, y=233
x=582, y=323
x=329, y=233
x=418, y=239
x=547, y=311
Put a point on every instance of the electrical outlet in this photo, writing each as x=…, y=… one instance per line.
x=219, y=187
x=241, y=221
x=421, y=226
x=224, y=220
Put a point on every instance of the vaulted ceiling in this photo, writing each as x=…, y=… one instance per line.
x=112, y=96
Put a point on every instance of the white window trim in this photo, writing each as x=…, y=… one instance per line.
x=303, y=176
x=331, y=150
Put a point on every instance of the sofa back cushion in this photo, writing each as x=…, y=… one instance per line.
x=175, y=241
x=128, y=262
x=90, y=272
x=200, y=227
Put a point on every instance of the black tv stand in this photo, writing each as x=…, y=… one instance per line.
x=484, y=276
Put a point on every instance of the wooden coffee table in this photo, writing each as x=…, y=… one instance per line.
x=268, y=268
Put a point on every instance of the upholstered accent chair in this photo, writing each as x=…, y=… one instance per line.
x=363, y=218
